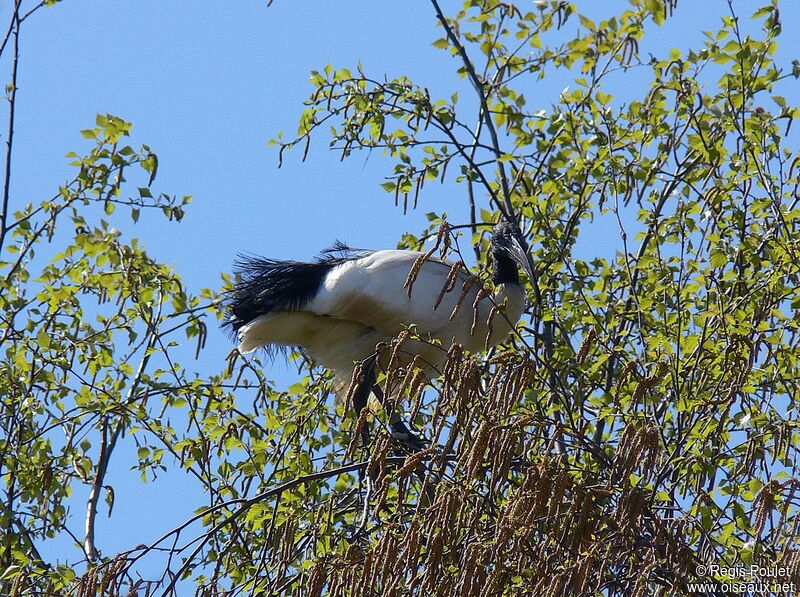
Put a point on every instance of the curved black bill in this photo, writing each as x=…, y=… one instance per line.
x=517, y=252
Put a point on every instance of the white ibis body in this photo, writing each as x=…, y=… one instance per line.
x=339, y=308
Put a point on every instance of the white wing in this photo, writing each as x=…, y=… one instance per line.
x=370, y=291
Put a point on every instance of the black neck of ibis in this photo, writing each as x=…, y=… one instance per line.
x=508, y=251
x=505, y=268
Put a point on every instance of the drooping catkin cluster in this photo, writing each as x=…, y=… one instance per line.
x=638, y=450
x=493, y=506
x=738, y=362
x=491, y=509
x=106, y=579
x=624, y=373
x=764, y=504
x=586, y=345
x=790, y=560
x=21, y=585
x=443, y=242
x=651, y=381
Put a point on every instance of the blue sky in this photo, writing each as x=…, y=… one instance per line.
x=206, y=85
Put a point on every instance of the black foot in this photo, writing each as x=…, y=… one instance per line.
x=405, y=436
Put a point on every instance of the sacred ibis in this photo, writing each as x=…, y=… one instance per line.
x=340, y=307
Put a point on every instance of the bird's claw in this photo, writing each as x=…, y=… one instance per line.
x=408, y=439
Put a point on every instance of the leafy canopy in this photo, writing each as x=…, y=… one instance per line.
x=641, y=423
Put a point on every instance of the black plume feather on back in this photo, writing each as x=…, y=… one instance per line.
x=343, y=251
x=269, y=285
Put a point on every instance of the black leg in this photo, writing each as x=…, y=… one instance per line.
x=361, y=394
x=366, y=384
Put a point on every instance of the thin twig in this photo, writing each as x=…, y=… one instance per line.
x=10, y=133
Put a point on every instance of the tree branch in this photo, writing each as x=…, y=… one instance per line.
x=10, y=134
